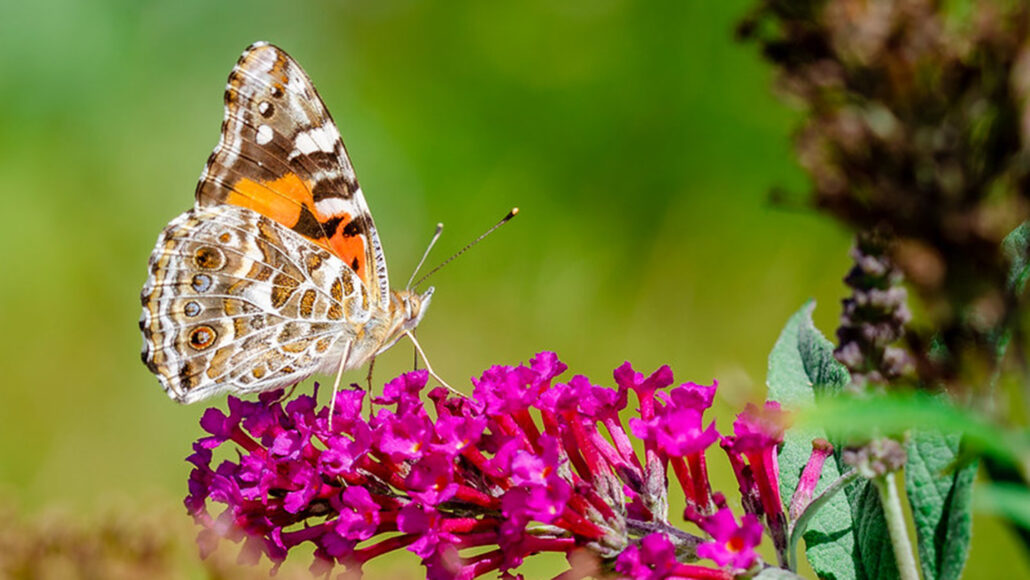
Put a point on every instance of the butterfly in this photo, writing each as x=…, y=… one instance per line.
x=277, y=272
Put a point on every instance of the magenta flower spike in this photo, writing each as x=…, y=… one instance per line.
x=758, y=431
x=474, y=486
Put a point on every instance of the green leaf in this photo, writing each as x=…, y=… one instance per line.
x=1016, y=247
x=828, y=376
x=801, y=364
x=896, y=414
x=941, y=498
x=874, y=546
x=1011, y=500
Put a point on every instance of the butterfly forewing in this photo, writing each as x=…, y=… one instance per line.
x=280, y=154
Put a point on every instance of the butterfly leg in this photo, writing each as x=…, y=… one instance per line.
x=368, y=381
x=286, y=394
x=429, y=367
x=336, y=385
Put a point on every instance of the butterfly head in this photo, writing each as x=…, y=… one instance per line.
x=407, y=307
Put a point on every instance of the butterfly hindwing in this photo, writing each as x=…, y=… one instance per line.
x=281, y=155
x=235, y=301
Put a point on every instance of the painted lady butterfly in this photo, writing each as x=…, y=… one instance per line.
x=277, y=272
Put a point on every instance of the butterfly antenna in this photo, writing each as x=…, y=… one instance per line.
x=514, y=212
x=432, y=242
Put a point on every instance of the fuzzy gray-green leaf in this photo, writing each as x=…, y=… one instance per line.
x=941, y=497
x=801, y=364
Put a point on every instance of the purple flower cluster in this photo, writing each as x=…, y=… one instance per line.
x=475, y=485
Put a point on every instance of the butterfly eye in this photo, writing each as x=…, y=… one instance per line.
x=266, y=109
x=191, y=309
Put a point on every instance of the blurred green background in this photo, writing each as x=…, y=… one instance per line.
x=639, y=140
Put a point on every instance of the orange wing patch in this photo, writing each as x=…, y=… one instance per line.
x=280, y=200
x=288, y=200
x=351, y=248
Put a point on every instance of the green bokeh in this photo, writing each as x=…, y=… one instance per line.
x=639, y=140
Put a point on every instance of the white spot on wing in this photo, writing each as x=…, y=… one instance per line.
x=295, y=84
x=332, y=206
x=322, y=138
x=304, y=145
x=264, y=135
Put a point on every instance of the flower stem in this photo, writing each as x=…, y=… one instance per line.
x=801, y=524
x=892, y=511
x=678, y=537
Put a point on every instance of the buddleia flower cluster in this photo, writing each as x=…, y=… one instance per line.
x=527, y=464
x=874, y=316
